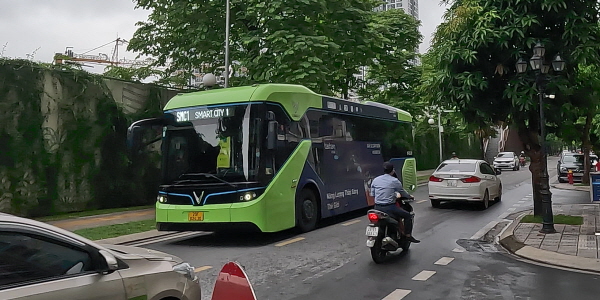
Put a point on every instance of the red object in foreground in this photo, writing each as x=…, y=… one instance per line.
x=570, y=177
x=435, y=179
x=232, y=284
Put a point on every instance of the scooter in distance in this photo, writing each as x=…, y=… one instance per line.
x=522, y=161
x=385, y=234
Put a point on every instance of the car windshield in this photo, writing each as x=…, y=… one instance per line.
x=457, y=167
x=506, y=154
x=573, y=159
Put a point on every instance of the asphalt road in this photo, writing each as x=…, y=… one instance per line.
x=333, y=262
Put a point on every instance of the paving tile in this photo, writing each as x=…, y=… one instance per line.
x=587, y=230
x=571, y=229
x=534, y=242
x=587, y=253
x=587, y=242
x=559, y=227
x=553, y=248
x=570, y=250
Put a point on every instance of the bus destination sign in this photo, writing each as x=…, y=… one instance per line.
x=203, y=113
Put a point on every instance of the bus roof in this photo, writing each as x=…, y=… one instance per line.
x=295, y=99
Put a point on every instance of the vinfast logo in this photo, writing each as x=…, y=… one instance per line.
x=198, y=199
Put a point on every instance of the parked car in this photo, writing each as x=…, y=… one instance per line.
x=507, y=160
x=40, y=261
x=465, y=180
x=573, y=162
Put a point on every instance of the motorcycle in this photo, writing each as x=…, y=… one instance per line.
x=385, y=234
x=522, y=161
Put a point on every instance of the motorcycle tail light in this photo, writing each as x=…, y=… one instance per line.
x=373, y=217
x=471, y=179
x=435, y=179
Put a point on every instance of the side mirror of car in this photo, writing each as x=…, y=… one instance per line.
x=498, y=172
x=111, y=262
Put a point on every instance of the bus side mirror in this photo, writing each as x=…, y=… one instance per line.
x=272, y=135
x=134, y=140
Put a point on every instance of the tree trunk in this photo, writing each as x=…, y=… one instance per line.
x=531, y=143
x=587, y=147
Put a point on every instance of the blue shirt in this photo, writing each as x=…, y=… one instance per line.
x=384, y=189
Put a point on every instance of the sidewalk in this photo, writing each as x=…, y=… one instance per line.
x=103, y=220
x=573, y=246
x=572, y=187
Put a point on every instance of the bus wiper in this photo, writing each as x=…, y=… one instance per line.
x=209, y=175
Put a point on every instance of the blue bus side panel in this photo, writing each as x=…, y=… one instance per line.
x=347, y=169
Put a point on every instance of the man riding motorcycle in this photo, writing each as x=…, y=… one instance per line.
x=384, y=189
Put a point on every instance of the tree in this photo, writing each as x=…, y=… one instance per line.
x=393, y=77
x=298, y=41
x=475, y=51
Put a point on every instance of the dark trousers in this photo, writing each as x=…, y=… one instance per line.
x=398, y=213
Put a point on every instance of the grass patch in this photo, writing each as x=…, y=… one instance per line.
x=110, y=231
x=90, y=213
x=558, y=219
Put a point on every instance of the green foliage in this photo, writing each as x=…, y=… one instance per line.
x=63, y=143
x=110, y=231
x=395, y=67
x=316, y=43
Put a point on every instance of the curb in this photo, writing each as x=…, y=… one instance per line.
x=583, y=189
x=136, y=237
x=508, y=241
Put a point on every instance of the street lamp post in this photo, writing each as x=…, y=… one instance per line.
x=440, y=127
x=541, y=68
x=227, y=43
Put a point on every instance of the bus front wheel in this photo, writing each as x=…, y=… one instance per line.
x=306, y=210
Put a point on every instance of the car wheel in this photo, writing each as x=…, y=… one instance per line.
x=486, y=200
x=306, y=211
x=499, y=198
x=560, y=180
x=435, y=203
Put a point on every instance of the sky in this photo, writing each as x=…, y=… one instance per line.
x=44, y=27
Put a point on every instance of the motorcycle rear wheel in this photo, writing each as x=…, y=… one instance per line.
x=377, y=252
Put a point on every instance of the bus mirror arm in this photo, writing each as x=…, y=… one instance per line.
x=135, y=134
x=272, y=135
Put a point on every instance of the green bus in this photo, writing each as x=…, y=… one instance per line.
x=270, y=157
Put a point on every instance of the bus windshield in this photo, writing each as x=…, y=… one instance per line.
x=220, y=141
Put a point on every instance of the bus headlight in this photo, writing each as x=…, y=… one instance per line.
x=161, y=198
x=249, y=196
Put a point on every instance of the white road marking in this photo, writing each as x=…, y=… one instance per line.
x=444, y=261
x=424, y=275
x=517, y=204
x=289, y=242
x=503, y=215
x=512, y=209
x=421, y=201
x=351, y=222
x=479, y=234
x=397, y=295
x=200, y=269
x=458, y=250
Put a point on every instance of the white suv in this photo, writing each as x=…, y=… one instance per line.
x=507, y=160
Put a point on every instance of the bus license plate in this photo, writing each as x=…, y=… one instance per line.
x=196, y=216
x=372, y=231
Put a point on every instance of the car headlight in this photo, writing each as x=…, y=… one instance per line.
x=161, y=198
x=563, y=169
x=186, y=270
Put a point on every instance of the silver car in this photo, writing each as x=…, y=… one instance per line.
x=507, y=160
x=40, y=261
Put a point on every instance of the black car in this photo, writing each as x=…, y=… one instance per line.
x=573, y=162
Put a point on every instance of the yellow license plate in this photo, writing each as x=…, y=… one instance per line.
x=196, y=216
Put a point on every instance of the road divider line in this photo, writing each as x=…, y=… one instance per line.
x=289, y=242
x=458, y=250
x=421, y=201
x=397, y=295
x=424, y=275
x=351, y=222
x=479, y=234
x=444, y=261
x=512, y=209
x=200, y=269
